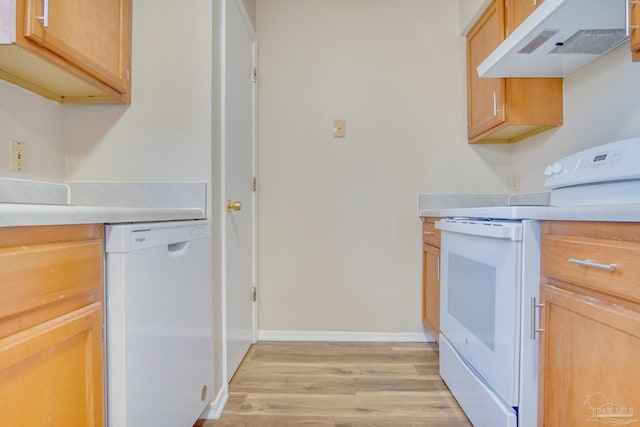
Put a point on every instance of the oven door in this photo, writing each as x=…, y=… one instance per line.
x=480, y=291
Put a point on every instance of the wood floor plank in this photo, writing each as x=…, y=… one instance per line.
x=339, y=384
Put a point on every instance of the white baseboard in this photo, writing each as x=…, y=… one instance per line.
x=344, y=336
x=214, y=410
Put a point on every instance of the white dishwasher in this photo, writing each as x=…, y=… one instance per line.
x=158, y=323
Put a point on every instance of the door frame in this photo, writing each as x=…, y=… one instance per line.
x=223, y=173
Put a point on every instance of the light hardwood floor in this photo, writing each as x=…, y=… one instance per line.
x=339, y=384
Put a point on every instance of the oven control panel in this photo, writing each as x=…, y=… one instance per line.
x=616, y=161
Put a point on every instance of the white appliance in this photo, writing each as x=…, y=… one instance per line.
x=489, y=276
x=607, y=174
x=490, y=264
x=559, y=37
x=158, y=323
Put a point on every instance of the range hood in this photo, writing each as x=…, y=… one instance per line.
x=559, y=37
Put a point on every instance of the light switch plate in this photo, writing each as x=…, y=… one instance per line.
x=339, y=128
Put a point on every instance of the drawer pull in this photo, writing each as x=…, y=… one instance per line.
x=592, y=264
x=429, y=233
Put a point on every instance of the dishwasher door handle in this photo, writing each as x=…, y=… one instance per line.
x=178, y=249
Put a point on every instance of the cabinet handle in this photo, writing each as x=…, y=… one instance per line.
x=534, y=321
x=592, y=264
x=630, y=28
x=438, y=269
x=429, y=233
x=495, y=104
x=45, y=14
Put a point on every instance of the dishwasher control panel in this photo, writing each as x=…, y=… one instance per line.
x=125, y=238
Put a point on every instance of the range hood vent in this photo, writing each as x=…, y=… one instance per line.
x=559, y=37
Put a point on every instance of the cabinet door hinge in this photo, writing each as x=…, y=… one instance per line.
x=254, y=75
x=254, y=184
x=254, y=294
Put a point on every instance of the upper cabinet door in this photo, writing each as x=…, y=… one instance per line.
x=485, y=95
x=518, y=11
x=91, y=35
x=501, y=110
x=70, y=51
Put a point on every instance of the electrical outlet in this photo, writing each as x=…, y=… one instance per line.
x=515, y=181
x=18, y=156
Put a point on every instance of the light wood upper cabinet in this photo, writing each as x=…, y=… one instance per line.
x=505, y=110
x=51, y=319
x=634, y=16
x=486, y=101
x=431, y=277
x=591, y=324
x=81, y=52
x=517, y=11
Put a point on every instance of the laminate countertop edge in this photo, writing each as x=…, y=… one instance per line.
x=15, y=215
x=25, y=203
x=595, y=213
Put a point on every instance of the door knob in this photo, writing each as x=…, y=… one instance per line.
x=233, y=205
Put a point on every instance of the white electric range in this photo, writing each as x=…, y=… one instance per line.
x=601, y=183
x=490, y=270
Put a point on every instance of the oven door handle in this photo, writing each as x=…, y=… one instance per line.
x=493, y=229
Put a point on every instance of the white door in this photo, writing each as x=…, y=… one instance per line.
x=239, y=155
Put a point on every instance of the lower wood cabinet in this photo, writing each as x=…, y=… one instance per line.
x=431, y=277
x=51, y=326
x=589, y=347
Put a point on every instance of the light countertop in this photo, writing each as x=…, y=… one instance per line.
x=534, y=206
x=432, y=205
x=24, y=203
x=17, y=214
x=616, y=213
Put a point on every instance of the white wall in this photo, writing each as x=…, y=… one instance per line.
x=339, y=240
x=601, y=104
x=250, y=7
x=39, y=123
x=470, y=11
x=165, y=135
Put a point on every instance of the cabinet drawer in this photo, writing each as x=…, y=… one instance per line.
x=430, y=234
x=39, y=281
x=604, y=257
